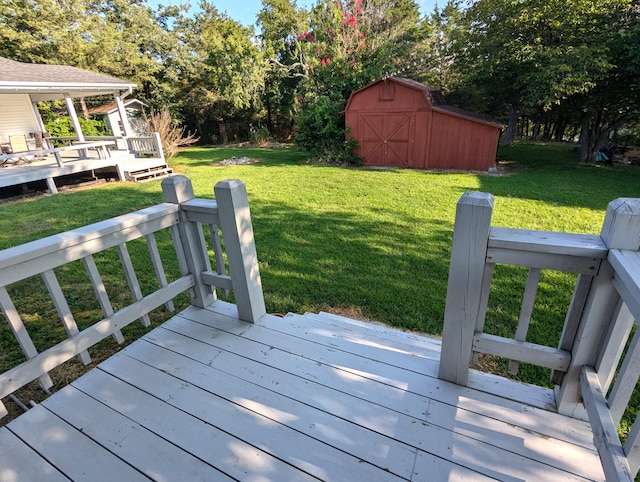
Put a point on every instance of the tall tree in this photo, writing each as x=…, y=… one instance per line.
x=281, y=22
x=534, y=53
x=224, y=77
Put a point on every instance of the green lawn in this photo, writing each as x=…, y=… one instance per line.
x=370, y=243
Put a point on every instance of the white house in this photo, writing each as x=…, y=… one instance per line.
x=23, y=85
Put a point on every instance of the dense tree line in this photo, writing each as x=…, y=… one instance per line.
x=554, y=68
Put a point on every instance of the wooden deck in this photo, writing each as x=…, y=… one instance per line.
x=208, y=397
x=46, y=168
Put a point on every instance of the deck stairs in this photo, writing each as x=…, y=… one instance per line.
x=148, y=170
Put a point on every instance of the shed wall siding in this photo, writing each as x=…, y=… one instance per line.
x=17, y=116
x=462, y=144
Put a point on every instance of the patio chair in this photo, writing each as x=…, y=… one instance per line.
x=18, y=144
x=20, y=148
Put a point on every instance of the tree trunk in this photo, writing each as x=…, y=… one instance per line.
x=535, y=134
x=511, y=128
x=586, y=156
x=85, y=111
x=560, y=128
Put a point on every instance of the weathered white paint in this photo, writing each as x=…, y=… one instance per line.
x=605, y=436
x=464, y=289
x=237, y=230
x=284, y=399
x=525, y=312
x=620, y=230
x=177, y=190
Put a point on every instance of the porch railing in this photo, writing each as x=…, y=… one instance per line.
x=141, y=146
x=184, y=217
x=599, y=321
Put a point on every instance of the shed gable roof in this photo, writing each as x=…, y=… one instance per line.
x=112, y=107
x=434, y=97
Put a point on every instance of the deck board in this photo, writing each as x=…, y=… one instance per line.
x=295, y=398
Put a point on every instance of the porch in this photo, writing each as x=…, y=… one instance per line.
x=142, y=159
x=226, y=391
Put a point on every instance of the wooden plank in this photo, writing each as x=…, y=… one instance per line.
x=367, y=445
x=632, y=448
x=626, y=265
x=332, y=364
x=64, y=312
x=613, y=345
x=540, y=355
x=526, y=311
x=201, y=211
x=504, y=388
x=217, y=252
x=237, y=230
x=305, y=453
x=132, y=279
x=149, y=453
x=215, y=280
x=69, y=450
x=194, y=256
x=21, y=462
x=535, y=259
x=572, y=319
x=322, y=329
x=158, y=267
x=101, y=293
x=581, y=245
x=464, y=289
x=24, y=340
x=39, y=365
x=614, y=461
x=33, y=258
x=368, y=412
x=626, y=381
x=215, y=447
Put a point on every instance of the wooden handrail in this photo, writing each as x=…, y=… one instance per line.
x=605, y=303
x=183, y=216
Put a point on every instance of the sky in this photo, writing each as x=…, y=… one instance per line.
x=245, y=11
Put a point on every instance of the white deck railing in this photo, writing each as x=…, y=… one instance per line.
x=605, y=303
x=183, y=216
x=151, y=146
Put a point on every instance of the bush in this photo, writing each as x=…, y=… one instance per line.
x=321, y=131
x=171, y=134
x=259, y=135
x=63, y=127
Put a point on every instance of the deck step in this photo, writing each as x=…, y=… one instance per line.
x=149, y=173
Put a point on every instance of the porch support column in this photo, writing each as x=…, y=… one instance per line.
x=123, y=116
x=36, y=111
x=74, y=117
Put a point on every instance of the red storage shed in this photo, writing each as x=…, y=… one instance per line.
x=401, y=122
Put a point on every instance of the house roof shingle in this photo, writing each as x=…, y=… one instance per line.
x=46, y=81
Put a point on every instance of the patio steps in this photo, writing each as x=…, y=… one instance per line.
x=148, y=171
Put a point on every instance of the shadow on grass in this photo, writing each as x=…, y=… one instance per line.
x=550, y=173
x=312, y=262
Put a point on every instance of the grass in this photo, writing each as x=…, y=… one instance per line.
x=375, y=243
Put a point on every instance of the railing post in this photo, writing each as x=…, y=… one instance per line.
x=464, y=290
x=237, y=231
x=176, y=190
x=620, y=230
x=158, y=141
